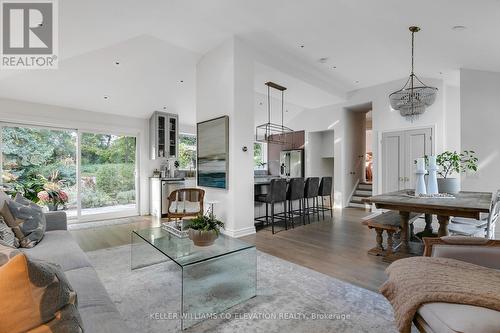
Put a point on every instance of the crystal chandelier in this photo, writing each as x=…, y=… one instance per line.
x=411, y=100
x=272, y=132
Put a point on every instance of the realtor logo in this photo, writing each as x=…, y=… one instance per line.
x=29, y=34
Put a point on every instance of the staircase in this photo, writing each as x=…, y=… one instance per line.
x=364, y=190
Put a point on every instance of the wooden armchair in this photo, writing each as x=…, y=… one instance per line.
x=449, y=317
x=185, y=202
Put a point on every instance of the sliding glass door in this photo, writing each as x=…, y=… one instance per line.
x=36, y=159
x=107, y=173
x=95, y=171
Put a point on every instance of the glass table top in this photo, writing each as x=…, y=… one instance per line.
x=184, y=252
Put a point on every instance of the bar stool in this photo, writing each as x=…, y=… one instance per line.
x=311, y=192
x=276, y=194
x=325, y=190
x=295, y=192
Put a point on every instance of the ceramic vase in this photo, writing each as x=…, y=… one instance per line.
x=432, y=184
x=420, y=183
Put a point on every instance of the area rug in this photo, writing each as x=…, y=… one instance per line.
x=290, y=298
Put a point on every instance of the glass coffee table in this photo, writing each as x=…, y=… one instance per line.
x=212, y=278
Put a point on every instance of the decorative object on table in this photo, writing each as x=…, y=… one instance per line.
x=454, y=163
x=420, y=183
x=156, y=173
x=178, y=228
x=271, y=132
x=213, y=152
x=412, y=100
x=432, y=185
x=204, y=229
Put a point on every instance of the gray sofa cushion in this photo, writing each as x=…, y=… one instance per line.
x=60, y=248
x=97, y=310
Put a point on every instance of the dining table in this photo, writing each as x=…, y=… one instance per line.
x=462, y=204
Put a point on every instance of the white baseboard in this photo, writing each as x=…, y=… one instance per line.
x=239, y=232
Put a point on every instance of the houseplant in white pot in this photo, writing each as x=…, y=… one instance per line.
x=453, y=163
x=204, y=229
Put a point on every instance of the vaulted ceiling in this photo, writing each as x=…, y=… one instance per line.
x=158, y=43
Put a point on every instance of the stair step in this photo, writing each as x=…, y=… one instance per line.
x=365, y=187
x=363, y=193
x=353, y=200
x=365, y=183
x=357, y=205
x=356, y=198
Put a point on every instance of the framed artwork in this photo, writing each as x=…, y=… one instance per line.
x=213, y=152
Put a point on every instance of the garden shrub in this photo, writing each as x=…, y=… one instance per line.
x=125, y=197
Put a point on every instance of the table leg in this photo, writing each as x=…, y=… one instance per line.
x=443, y=225
x=428, y=222
x=405, y=220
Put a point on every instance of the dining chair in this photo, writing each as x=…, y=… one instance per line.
x=484, y=227
x=185, y=202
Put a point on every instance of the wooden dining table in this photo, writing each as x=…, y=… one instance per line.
x=462, y=204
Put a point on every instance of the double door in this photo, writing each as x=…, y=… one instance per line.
x=399, y=151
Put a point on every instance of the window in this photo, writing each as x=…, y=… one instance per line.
x=260, y=156
x=95, y=172
x=187, y=152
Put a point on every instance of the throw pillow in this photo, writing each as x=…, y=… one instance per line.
x=30, y=221
x=7, y=236
x=36, y=296
x=23, y=201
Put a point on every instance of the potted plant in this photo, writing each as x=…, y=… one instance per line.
x=454, y=163
x=52, y=195
x=204, y=229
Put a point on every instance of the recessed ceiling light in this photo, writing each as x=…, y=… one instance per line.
x=356, y=81
x=334, y=67
x=181, y=81
x=459, y=27
x=441, y=73
x=301, y=46
x=260, y=103
x=164, y=108
x=106, y=97
x=116, y=63
x=323, y=60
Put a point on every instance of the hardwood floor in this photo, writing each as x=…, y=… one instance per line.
x=334, y=247
x=337, y=248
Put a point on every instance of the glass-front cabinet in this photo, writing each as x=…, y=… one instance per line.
x=164, y=133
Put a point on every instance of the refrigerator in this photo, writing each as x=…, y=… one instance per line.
x=292, y=163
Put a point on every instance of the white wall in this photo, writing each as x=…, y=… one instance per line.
x=225, y=87
x=54, y=116
x=480, y=123
x=384, y=119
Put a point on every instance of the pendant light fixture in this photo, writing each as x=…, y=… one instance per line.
x=412, y=100
x=271, y=132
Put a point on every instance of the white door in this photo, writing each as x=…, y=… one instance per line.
x=393, y=161
x=399, y=151
x=418, y=144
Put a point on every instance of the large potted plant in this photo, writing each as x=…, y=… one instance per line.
x=204, y=229
x=453, y=163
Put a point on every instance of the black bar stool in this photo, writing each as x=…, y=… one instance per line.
x=295, y=192
x=325, y=190
x=311, y=192
x=276, y=194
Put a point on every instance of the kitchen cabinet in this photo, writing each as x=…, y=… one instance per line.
x=164, y=135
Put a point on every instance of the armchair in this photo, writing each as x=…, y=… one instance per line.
x=447, y=317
